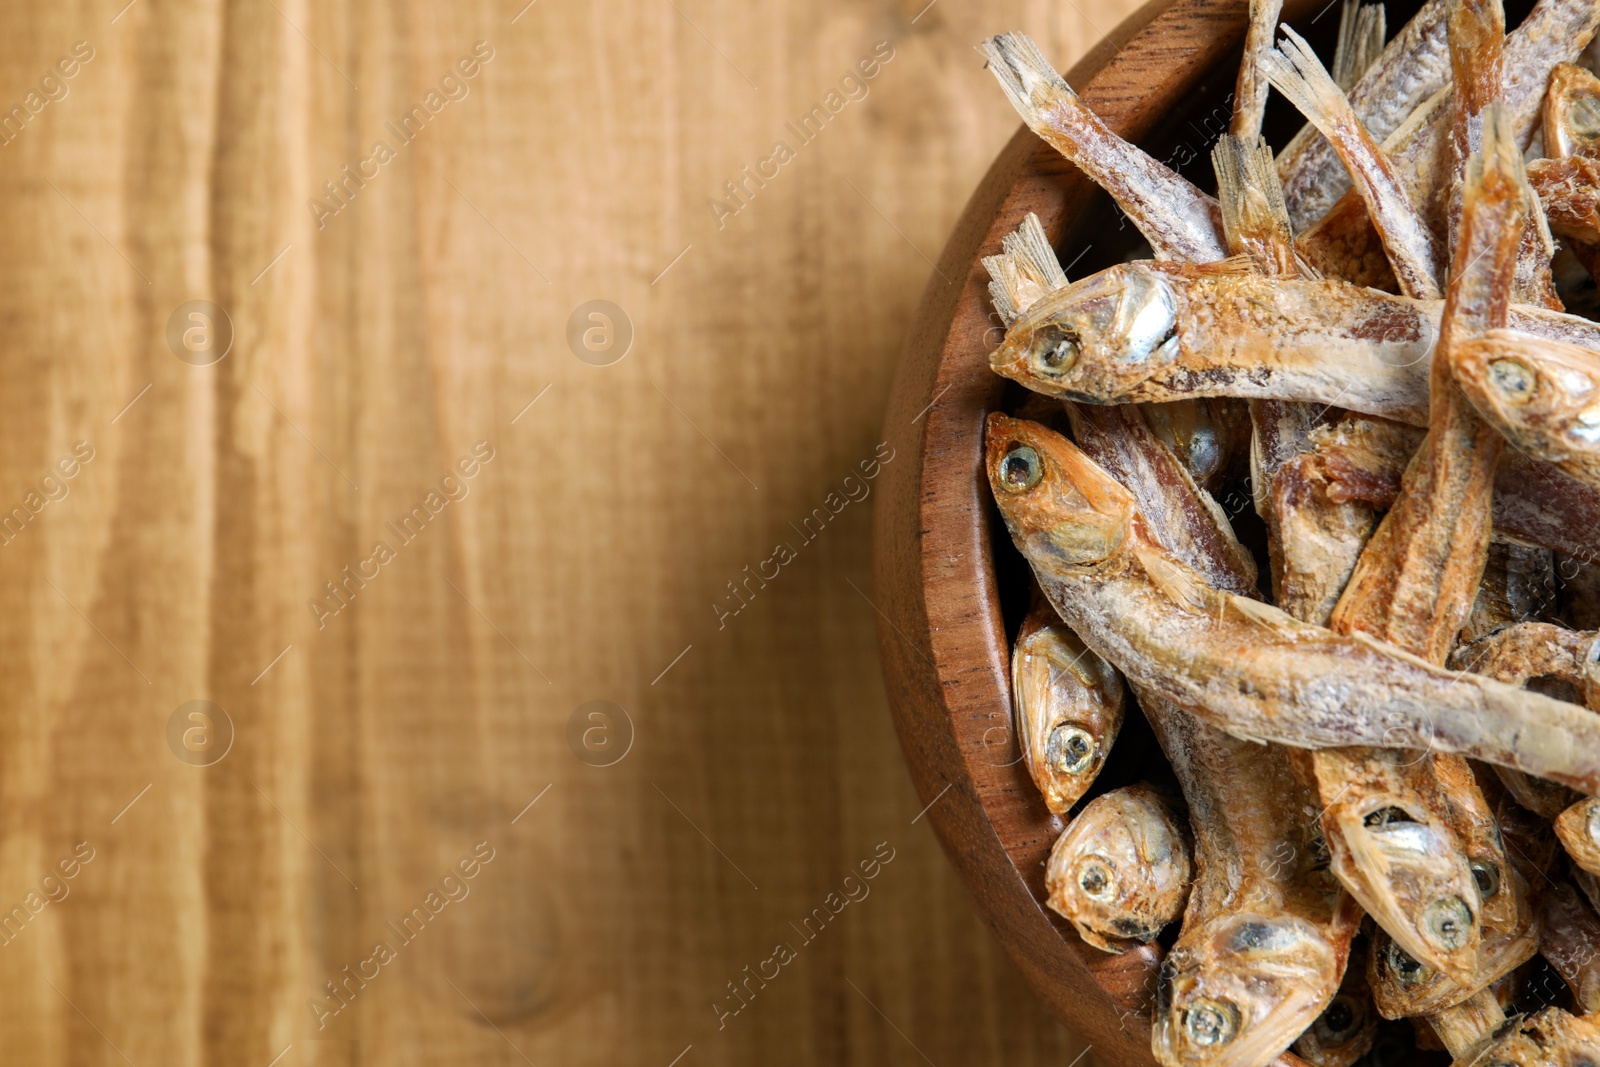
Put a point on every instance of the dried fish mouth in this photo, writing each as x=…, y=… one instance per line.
x=1122, y=319
x=1241, y=992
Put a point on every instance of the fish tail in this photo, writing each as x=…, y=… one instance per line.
x=1362, y=28
x=1253, y=208
x=1025, y=270
x=1296, y=72
x=1026, y=76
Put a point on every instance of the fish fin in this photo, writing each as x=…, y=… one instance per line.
x=1231, y=265
x=1178, y=582
x=1258, y=612
x=1025, y=270
x=1296, y=72
x=1255, y=219
x=1024, y=74
x=1362, y=29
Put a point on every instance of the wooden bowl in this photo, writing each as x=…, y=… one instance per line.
x=1161, y=80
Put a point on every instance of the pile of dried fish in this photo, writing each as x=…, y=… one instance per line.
x=1382, y=723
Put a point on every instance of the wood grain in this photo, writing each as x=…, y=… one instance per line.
x=373, y=346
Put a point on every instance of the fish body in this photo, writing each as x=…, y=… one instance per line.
x=1146, y=331
x=1180, y=221
x=1412, y=68
x=1068, y=704
x=1552, y=1038
x=1245, y=666
x=1267, y=929
x=1266, y=933
x=1121, y=871
x=1415, y=254
x=1360, y=459
x=1554, y=32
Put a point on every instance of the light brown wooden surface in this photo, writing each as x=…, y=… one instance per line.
x=369, y=356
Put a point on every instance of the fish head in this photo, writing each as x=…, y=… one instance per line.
x=1069, y=706
x=1403, y=987
x=1346, y=1028
x=1578, y=827
x=1572, y=112
x=1239, y=990
x=1096, y=339
x=1063, y=510
x=1121, y=871
x=1410, y=873
x=1542, y=394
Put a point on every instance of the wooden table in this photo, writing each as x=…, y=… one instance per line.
x=297, y=420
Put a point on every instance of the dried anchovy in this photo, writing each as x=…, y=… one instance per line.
x=1266, y=931
x=1068, y=705
x=1245, y=666
x=1343, y=1033
x=1146, y=331
x=1555, y=32
x=1121, y=870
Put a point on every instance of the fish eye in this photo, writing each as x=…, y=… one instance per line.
x=1021, y=469
x=1487, y=878
x=1055, y=350
x=1583, y=119
x=1095, y=878
x=1070, y=749
x=1406, y=971
x=1383, y=817
x=1513, y=380
x=1252, y=936
x=1211, y=1022
x=1447, y=922
x=1205, y=453
x=1341, y=1019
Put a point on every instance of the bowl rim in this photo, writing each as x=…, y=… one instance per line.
x=941, y=639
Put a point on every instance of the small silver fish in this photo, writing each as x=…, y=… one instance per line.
x=1121, y=871
x=1244, y=666
x=1068, y=704
x=1544, y=396
x=1147, y=331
